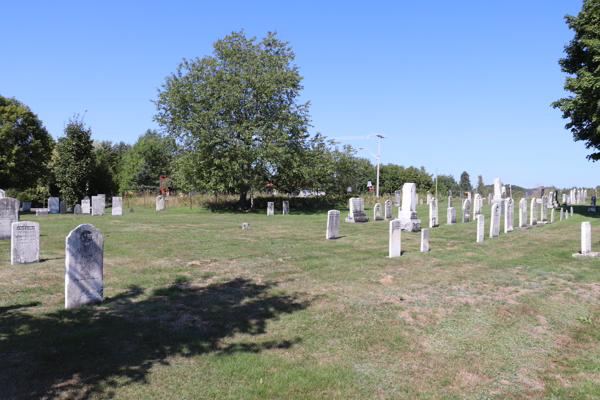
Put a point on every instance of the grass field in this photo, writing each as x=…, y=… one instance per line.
x=196, y=307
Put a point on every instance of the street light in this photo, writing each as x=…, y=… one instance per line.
x=376, y=158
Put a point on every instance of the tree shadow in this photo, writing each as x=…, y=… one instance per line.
x=91, y=351
x=583, y=210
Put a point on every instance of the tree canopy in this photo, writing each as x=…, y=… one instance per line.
x=582, y=63
x=236, y=115
x=26, y=146
x=465, y=182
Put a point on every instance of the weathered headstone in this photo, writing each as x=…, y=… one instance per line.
x=84, y=266
x=533, y=212
x=395, y=246
x=420, y=201
x=63, y=207
x=489, y=198
x=270, y=208
x=480, y=228
x=85, y=205
x=388, y=210
x=522, y=213
x=449, y=201
x=41, y=211
x=495, y=220
x=54, y=205
x=562, y=214
x=117, y=206
x=544, y=211
x=477, y=203
x=333, y=224
x=77, y=209
x=508, y=215
x=25, y=242
x=97, y=205
x=434, y=219
x=466, y=210
x=451, y=216
x=160, y=203
x=424, y=240
x=586, y=237
x=377, y=212
x=286, y=207
x=497, y=189
x=398, y=196
x=564, y=198
x=26, y=206
x=9, y=213
x=408, y=215
x=566, y=214
x=356, y=206
x=553, y=215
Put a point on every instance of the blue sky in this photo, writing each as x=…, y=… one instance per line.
x=456, y=85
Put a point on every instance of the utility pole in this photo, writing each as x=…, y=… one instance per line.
x=436, y=194
x=376, y=157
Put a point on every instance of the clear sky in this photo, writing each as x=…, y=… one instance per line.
x=456, y=85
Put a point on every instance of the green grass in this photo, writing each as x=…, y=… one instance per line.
x=196, y=307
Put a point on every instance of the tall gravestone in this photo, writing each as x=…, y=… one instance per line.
x=451, y=216
x=356, y=206
x=271, y=208
x=395, y=245
x=480, y=228
x=508, y=215
x=85, y=205
x=377, y=212
x=477, y=203
x=54, y=205
x=586, y=237
x=495, y=221
x=489, y=198
x=388, y=210
x=25, y=242
x=424, y=240
x=286, y=207
x=522, y=213
x=544, y=211
x=9, y=213
x=160, y=203
x=408, y=215
x=552, y=215
x=97, y=205
x=533, y=212
x=566, y=214
x=117, y=206
x=434, y=219
x=562, y=214
x=466, y=210
x=449, y=201
x=333, y=225
x=63, y=207
x=571, y=211
x=398, y=196
x=428, y=198
x=84, y=266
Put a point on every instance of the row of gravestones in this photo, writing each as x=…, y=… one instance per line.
x=95, y=206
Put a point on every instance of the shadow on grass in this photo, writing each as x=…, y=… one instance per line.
x=92, y=351
x=583, y=211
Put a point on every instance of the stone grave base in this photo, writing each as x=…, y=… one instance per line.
x=357, y=219
x=592, y=209
x=525, y=227
x=592, y=254
x=410, y=225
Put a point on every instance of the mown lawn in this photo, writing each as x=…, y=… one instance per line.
x=198, y=308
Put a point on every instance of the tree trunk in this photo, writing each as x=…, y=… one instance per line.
x=242, y=203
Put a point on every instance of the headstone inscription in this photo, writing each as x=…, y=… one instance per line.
x=97, y=205
x=160, y=203
x=451, y=216
x=480, y=228
x=25, y=242
x=77, y=209
x=54, y=205
x=495, y=222
x=424, y=240
x=270, y=208
x=286, y=207
x=522, y=213
x=117, y=206
x=84, y=266
x=394, y=245
x=388, y=210
x=9, y=213
x=333, y=224
x=408, y=215
x=356, y=206
x=434, y=220
x=466, y=210
x=508, y=215
x=533, y=212
x=85, y=205
x=377, y=212
x=63, y=207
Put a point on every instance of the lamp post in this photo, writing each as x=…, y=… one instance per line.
x=376, y=158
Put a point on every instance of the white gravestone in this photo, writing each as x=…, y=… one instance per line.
x=408, y=215
x=160, y=203
x=522, y=213
x=466, y=210
x=495, y=221
x=571, y=211
x=245, y=225
x=1, y=193
x=428, y=198
x=489, y=198
x=271, y=208
x=63, y=207
x=480, y=228
x=469, y=196
x=477, y=205
x=117, y=206
x=77, y=209
x=552, y=215
x=85, y=205
x=84, y=266
x=25, y=242
x=377, y=212
x=566, y=214
x=41, y=211
x=9, y=213
x=497, y=189
x=54, y=205
x=357, y=210
x=451, y=216
x=97, y=205
x=544, y=211
x=533, y=212
x=388, y=210
x=398, y=196
x=562, y=214
x=424, y=240
x=508, y=215
x=434, y=219
x=286, y=207
x=333, y=224
x=395, y=245
x=586, y=237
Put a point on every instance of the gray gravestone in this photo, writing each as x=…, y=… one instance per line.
x=333, y=224
x=41, y=211
x=395, y=245
x=357, y=210
x=84, y=266
x=449, y=201
x=270, y=208
x=523, y=213
x=286, y=207
x=26, y=206
x=25, y=242
x=508, y=215
x=434, y=220
x=160, y=203
x=480, y=228
x=63, y=207
x=54, y=205
x=586, y=237
x=1, y=193
x=388, y=210
x=377, y=212
x=533, y=212
x=9, y=213
x=117, y=206
x=77, y=209
x=571, y=211
x=408, y=215
x=85, y=205
x=97, y=205
x=544, y=211
x=424, y=240
x=466, y=210
x=562, y=214
x=495, y=221
x=451, y=216
x=398, y=196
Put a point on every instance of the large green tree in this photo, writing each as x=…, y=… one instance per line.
x=25, y=146
x=75, y=161
x=582, y=63
x=237, y=116
x=108, y=163
x=465, y=182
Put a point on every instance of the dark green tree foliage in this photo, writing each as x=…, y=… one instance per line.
x=392, y=177
x=445, y=183
x=236, y=115
x=582, y=63
x=107, y=167
x=25, y=146
x=75, y=161
x=465, y=182
x=480, y=184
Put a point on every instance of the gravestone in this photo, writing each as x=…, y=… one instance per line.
x=84, y=266
x=480, y=228
x=286, y=207
x=388, y=210
x=495, y=221
x=497, y=190
x=449, y=201
x=428, y=198
x=504, y=192
x=1, y=193
x=564, y=198
x=434, y=219
x=245, y=225
x=469, y=197
x=508, y=215
x=592, y=207
x=420, y=201
x=25, y=242
x=451, y=216
x=477, y=205
x=489, y=198
x=63, y=207
x=9, y=213
x=26, y=206
x=85, y=205
x=562, y=214
x=553, y=215
x=97, y=205
x=394, y=245
x=54, y=205
x=408, y=215
x=466, y=210
x=160, y=203
x=41, y=211
x=571, y=211
x=333, y=224
x=566, y=214
x=398, y=196
x=555, y=199
x=424, y=240
x=544, y=211
x=270, y=208
x=586, y=237
x=533, y=212
x=377, y=212
x=522, y=213
x=117, y=206
x=77, y=209
x=357, y=210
